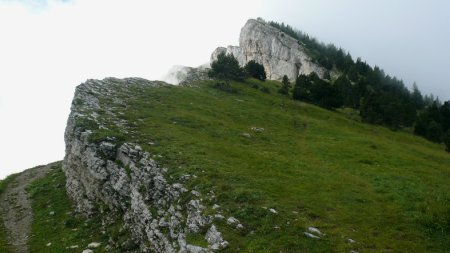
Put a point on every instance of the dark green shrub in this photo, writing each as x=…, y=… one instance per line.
x=226, y=68
x=256, y=70
x=255, y=86
x=224, y=86
x=265, y=90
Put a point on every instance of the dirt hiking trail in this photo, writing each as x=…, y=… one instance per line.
x=15, y=207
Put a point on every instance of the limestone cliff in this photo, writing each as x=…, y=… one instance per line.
x=279, y=53
x=109, y=175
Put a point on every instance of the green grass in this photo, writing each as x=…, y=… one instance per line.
x=387, y=190
x=64, y=228
x=4, y=247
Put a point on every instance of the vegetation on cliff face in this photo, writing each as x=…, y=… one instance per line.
x=258, y=151
x=57, y=228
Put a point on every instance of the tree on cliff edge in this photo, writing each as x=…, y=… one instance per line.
x=226, y=68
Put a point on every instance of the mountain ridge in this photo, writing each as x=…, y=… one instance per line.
x=153, y=167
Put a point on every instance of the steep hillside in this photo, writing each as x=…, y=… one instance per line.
x=264, y=170
x=199, y=169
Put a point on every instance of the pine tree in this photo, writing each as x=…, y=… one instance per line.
x=226, y=68
x=302, y=88
x=285, y=85
x=417, y=97
x=256, y=70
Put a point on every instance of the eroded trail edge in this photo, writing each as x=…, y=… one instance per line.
x=15, y=207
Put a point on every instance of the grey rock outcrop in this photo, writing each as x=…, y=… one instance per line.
x=279, y=53
x=122, y=179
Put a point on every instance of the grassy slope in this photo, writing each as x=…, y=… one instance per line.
x=387, y=190
x=64, y=228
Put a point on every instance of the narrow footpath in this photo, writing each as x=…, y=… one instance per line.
x=16, y=210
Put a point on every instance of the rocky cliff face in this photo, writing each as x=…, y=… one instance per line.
x=279, y=53
x=120, y=179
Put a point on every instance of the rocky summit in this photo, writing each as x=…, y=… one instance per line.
x=279, y=53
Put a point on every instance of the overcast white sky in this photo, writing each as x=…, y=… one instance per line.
x=49, y=47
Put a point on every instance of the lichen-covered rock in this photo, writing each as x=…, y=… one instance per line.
x=279, y=53
x=214, y=238
x=123, y=178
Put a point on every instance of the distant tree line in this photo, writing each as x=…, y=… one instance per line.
x=433, y=123
x=380, y=98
